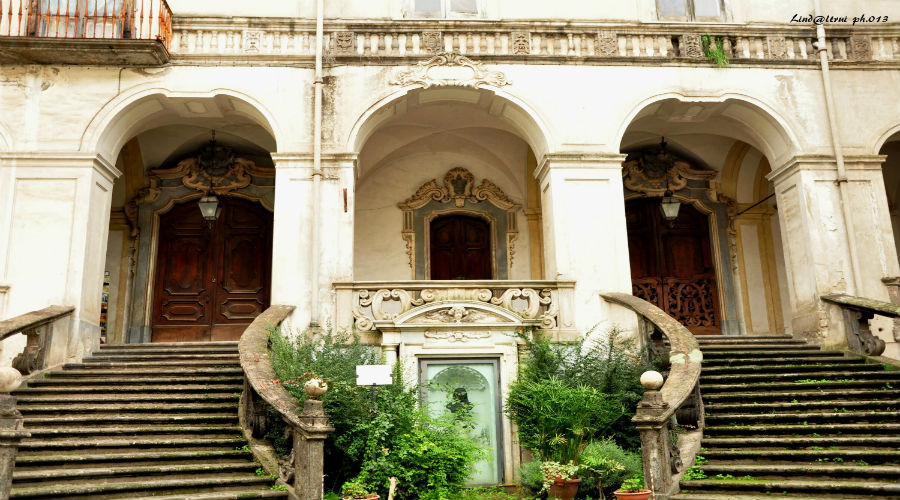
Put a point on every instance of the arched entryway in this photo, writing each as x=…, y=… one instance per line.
x=672, y=264
x=460, y=248
x=211, y=277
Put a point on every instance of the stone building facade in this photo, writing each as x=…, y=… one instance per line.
x=469, y=168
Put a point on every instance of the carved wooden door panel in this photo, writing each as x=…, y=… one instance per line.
x=672, y=264
x=460, y=248
x=212, y=280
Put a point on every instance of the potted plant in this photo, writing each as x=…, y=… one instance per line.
x=633, y=489
x=560, y=480
x=355, y=489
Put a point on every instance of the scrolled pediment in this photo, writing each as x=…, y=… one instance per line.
x=461, y=313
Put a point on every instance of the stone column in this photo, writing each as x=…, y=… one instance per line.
x=53, y=240
x=309, y=455
x=292, y=248
x=585, y=236
x=820, y=257
x=11, y=429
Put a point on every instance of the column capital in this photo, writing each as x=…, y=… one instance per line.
x=62, y=159
x=576, y=160
x=824, y=163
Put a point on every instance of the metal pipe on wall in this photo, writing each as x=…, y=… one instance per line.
x=822, y=49
x=317, y=165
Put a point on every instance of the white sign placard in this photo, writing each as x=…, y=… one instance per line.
x=374, y=375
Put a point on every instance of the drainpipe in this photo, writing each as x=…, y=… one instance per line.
x=317, y=164
x=821, y=48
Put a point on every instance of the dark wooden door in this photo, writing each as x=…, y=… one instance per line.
x=672, y=264
x=460, y=248
x=212, y=280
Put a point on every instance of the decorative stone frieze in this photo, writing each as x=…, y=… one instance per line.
x=543, y=303
x=860, y=48
x=607, y=44
x=777, y=47
x=520, y=42
x=653, y=171
x=343, y=43
x=433, y=41
x=691, y=46
x=251, y=41
x=450, y=69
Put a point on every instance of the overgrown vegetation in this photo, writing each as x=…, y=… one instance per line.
x=431, y=456
x=573, y=404
x=714, y=50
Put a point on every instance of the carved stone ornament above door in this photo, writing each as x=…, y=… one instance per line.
x=451, y=69
x=458, y=187
x=215, y=168
x=655, y=170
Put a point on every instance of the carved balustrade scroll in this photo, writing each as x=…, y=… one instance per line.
x=857, y=311
x=264, y=399
x=364, y=304
x=43, y=329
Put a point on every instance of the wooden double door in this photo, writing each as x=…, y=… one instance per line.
x=672, y=264
x=212, y=278
x=460, y=248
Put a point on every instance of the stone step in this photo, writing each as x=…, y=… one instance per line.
x=124, y=370
x=29, y=409
x=162, y=441
x=61, y=379
x=162, y=352
x=832, y=486
x=850, y=364
x=130, y=389
x=140, y=485
x=54, y=431
x=785, y=396
x=170, y=345
x=838, y=405
x=212, y=356
x=133, y=419
x=746, y=339
x=157, y=456
x=63, y=398
x=763, y=379
x=716, y=388
x=764, y=349
x=776, y=471
x=800, y=442
x=24, y=477
x=826, y=416
x=765, y=361
x=800, y=430
x=774, y=352
x=221, y=494
x=871, y=455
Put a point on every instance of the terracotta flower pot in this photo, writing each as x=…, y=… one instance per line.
x=565, y=490
x=632, y=495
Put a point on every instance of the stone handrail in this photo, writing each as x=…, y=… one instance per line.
x=660, y=458
x=362, y=304
x=40, y=328
x=348, y=42
x=857, y=311
x=264, y=398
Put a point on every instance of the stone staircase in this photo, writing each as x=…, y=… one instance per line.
x=139, y=421
x=786, y=420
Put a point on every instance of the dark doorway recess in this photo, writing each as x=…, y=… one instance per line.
x=460, y=248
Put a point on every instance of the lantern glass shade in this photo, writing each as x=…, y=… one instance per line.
x=209, y=207
x=670, y=206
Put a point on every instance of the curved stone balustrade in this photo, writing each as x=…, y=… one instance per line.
x=263, y=396
x=680, y=393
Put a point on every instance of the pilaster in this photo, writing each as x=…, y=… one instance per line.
x=585, y=236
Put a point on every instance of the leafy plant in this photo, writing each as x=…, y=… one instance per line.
x=633, y=484
x=354, y=489
x=693, y=473
x=554, y=472
x=605, y=464
x=714, y=50
x=531, y=477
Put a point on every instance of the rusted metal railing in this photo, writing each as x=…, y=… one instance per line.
x=104, y=19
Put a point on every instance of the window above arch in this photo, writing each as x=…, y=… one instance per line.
x=690, y=10
x=446, y=9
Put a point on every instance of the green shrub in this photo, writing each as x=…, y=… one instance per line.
x=531, y=477
x=612, y=366
x=606, y=464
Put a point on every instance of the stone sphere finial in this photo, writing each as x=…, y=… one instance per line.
x=315, y=387
x=652, y=380
x=10, y=379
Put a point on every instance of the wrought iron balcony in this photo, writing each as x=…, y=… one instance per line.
x=99, y=32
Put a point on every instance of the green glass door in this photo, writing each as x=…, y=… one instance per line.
x=451, y=383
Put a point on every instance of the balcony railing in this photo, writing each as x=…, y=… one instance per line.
x=87, y=19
